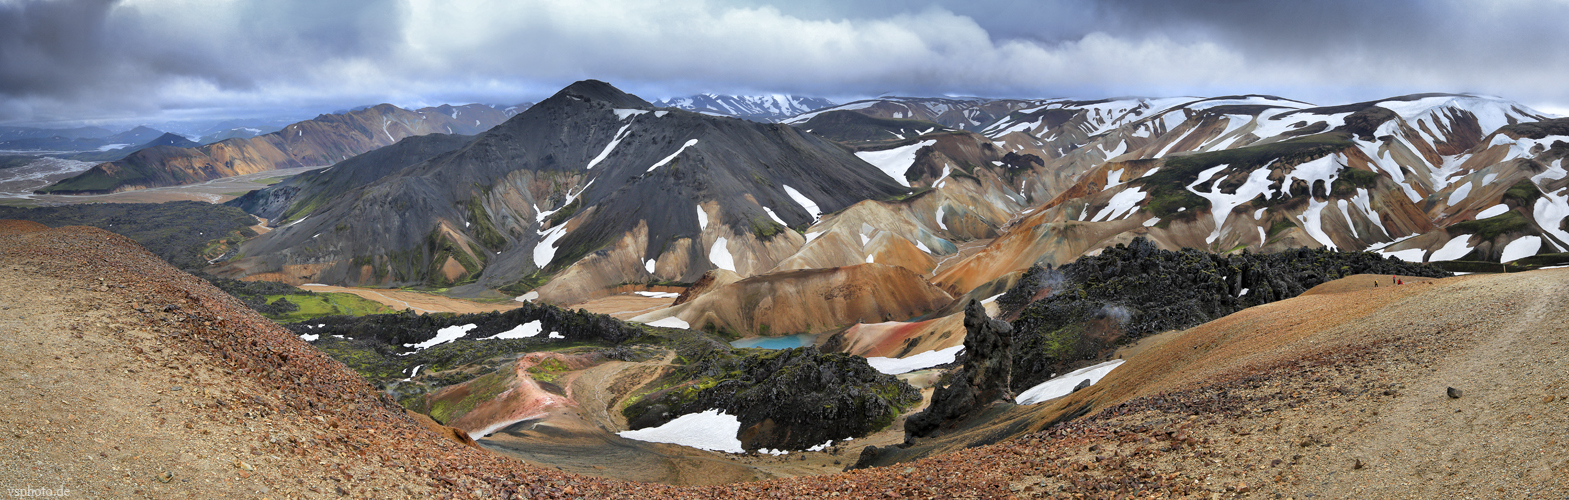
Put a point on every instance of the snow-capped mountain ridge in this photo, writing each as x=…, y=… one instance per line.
x=763, y=108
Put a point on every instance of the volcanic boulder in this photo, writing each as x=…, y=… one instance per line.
x=983, y=379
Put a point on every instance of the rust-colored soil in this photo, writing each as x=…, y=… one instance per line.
x=1363, y=282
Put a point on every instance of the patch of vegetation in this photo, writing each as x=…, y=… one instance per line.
x=526, y=283
x=388, y=333
x=441, y=247
x=478, y=391
x=765, y=228
x=308, y=306
x=1522, y=193
x=1506, y=223
x=1351, y=179
x=549, y=370
x=564, y=213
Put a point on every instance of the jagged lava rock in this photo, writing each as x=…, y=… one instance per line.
x=983, y=379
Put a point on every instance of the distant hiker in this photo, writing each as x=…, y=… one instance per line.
x=1375, y=283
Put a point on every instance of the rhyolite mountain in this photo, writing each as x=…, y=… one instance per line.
x=320, y=141
x=278, y=201
x=590, y=188
x=762, y=108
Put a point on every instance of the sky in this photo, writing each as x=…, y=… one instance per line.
x=70, y=62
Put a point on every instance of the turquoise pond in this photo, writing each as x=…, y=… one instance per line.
x=801, y=340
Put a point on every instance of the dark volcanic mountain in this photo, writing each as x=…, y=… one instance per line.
x=314, y=188
x=591, y=188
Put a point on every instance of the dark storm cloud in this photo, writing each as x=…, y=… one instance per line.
x=86, y=58
x=83, y=59
x=45, y=46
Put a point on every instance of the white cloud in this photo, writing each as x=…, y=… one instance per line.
x=172, y=56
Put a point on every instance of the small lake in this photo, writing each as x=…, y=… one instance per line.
x=801, y=340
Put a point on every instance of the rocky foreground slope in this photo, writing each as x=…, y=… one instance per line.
x=127, y=378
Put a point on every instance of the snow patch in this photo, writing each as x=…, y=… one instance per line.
x=939, y=220
x=670, y=322
x=649, y=266
x=806, y=203
x=668, y=159
x=658, y=295
x=1312, y=221
x=1408, y=255
x=1460, y=193
x=444, y=335
x=1555, y=171
x=775, y=217
x=522, y=331
x=710, y=430
x=1114, y=178
x=1521, y=248
x=616, y=139
x=702, y=219
x=1121, y=205
x=546, y=249
x=1549, y=213
x=1063, y=386
x=1493, y=211
x=1456, y=248
x=720, y=256
x=928, y=359
x=622, y=114
x=310, y=337
x=895, y=162
x=527, y=297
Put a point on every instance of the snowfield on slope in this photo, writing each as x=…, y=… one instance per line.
x=895, y=162
x=1063, y=386
x=710, y=430
x=928, y=359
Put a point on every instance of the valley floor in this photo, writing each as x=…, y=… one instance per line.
x=19, y=191
x=152, y=384
x=417, y=301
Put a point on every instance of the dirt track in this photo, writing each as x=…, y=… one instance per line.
x=419, y=302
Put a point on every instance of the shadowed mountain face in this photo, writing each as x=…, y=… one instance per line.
x=324, y=140
x=592, y=184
